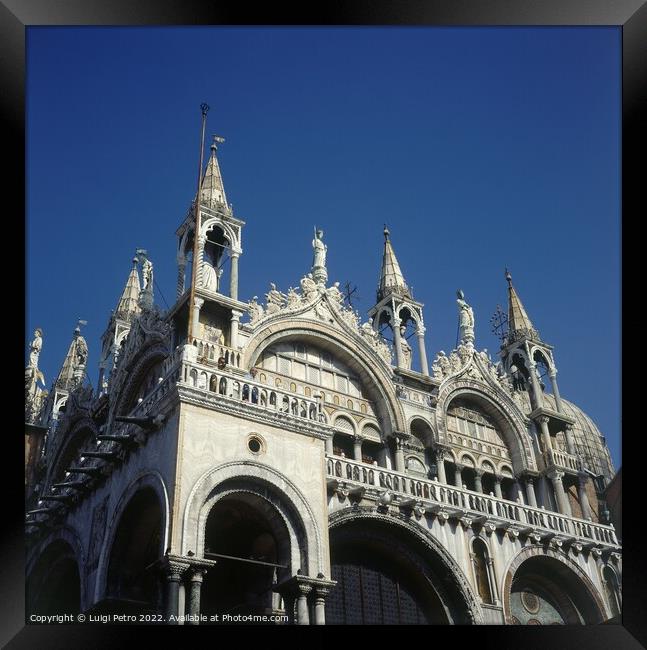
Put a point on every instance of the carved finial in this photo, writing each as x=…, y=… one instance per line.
x=386, y=233
x=508, y=277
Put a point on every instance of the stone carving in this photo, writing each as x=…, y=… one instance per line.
x=308, y=288
x=213, y=334
x=256, y=310
x=147, y=273
x=34, y=394
x=210, y=277
x=405, y=348
x=275, y=299
x=294, y=299
x=81, y=351
x=466, y=318
x=335, y=294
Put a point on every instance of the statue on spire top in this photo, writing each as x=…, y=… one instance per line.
x=319, y=272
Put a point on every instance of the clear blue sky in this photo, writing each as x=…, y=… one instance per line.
x=480, y=147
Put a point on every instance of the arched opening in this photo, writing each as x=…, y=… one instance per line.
x=54, y=584
x=386, y=576
x=342, y=445
x=484, y=580
x=250, y=542
x=545, y=591
x=133, y=572
x=542, y=368
x=372, y=452
x=612, y=591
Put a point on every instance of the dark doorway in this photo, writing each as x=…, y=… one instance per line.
x=133, y=572
x=244, y=526
x=54, y=585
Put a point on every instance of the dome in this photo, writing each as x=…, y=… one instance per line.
x=591, y=444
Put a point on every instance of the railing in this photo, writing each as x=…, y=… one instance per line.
x=211, y=353
x=479, y=505
x=562, y=460
x=252, y=392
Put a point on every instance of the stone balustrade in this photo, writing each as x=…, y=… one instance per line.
x=438, y=497
x=562, y=460
x=254, y=393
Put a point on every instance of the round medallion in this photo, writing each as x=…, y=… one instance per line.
x=533, y=621
x=530, y=602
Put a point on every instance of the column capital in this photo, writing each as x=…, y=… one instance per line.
x=582, y=479
x=498, y=478
x=543, y=419
x=420, y=330
x=300, y=585
x=459, y=466
x=397, y=321
x=198, y=302
x=441, y=453
x=358, y=438
x=236, y=314
x=569, y=427
x=478, y=472
x=555, y=475
x=175, y=567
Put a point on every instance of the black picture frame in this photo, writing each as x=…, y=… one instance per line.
x=629, y=15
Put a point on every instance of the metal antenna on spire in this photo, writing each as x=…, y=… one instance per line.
x=349, y=292
x=499, y=323
x=204, y=108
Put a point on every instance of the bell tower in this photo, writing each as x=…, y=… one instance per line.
x=530, y=363
x=207, y=312
x=397, y=310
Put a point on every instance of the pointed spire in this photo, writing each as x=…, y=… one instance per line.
x=213, y=190
x=519, y=324
x=391, y=278
x=129, y=301
x=75, y=362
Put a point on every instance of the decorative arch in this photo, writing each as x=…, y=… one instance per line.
x=567, y=570
x=147, y=479
x=228, y=231
x=270, y=485
x=513, y=423
x=64, y=536
x=372, y=371
x=454, y=581
x=345, y=419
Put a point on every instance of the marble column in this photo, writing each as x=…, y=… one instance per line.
x=477, y=480
x=173, y=572
x=197, y=306
x=233, y=334
x=329, y=446
x=198, y=269
x=458, y=479
x=530, y=490
x=195, y=585
x=303, y=616
x=233, y=283
x=570, y=440
x=583, y=496
x=397, y=343
x=545, y=435
x=440, y=463
x=424, y=366
x=357, y=448
x=181, y=272
x=536, y=388
x=560, y=494
x=320, y=594
x=497, y=487
x=399, y=455
x=553, y=382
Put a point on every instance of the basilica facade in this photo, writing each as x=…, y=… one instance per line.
x=286, y=461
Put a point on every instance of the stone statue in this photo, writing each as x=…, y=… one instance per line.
x=335, y=294
x=294, y=299
x=209, y=277
x=35, y=348
x=320, y=249
x=275, y=299
x=308, y=287
x=466, y=318
x=147, y=273
x=255, y=310
x=405, y=348
x=81, y=351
